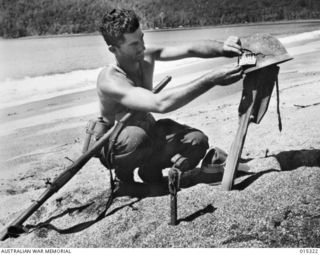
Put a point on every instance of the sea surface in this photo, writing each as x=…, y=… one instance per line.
x=34, y=68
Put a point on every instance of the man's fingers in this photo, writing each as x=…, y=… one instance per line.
x=236, y=69
x=234, y=48
x=232, y=51
x=233, y=78
x=234, y=40
x=235, y=74
x=233, y=45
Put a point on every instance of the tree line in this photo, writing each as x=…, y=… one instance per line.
x=46, y=17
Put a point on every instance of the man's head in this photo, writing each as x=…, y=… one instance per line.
x=121, y=31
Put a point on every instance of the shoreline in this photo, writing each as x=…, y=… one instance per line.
x=173, y=29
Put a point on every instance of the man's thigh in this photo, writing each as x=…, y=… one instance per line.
x=174, y=138
x=132, y=147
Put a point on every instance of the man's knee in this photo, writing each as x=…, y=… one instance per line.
x=131, y=138
x=132, y=147
x=198, y=139
x=199, y=145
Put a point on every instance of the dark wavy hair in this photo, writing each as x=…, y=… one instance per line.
x=117, y=22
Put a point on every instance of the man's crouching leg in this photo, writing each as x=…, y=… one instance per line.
x=194, y=144
x=150, y=173
x=132, y=148
x=190, y=143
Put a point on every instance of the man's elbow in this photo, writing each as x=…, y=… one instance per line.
x=162, y=106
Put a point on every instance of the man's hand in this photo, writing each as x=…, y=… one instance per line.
x=227, y=76
x=232, y=47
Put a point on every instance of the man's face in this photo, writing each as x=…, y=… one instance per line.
x=132, y=47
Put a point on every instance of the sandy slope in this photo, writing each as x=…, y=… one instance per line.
x=278, y=206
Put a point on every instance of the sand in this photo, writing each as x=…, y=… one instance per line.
x=278, y=205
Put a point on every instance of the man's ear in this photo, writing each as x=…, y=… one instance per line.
x=112, y=49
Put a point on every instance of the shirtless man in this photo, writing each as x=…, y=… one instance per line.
x=145, y=143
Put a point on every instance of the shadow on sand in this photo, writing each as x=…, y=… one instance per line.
x=288, y=160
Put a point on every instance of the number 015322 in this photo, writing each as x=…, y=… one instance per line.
x=309, y=251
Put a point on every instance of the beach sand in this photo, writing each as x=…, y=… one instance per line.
x=277, y=206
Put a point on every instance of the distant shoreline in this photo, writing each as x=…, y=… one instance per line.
x=173, y=29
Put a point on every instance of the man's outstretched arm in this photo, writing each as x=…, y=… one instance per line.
x=116, y=86
x=202, y=49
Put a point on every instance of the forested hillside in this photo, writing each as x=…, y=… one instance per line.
x=42, y=17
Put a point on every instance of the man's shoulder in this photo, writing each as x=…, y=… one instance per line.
x=110, y=73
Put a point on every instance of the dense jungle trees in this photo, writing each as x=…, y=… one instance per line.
x=42, y=17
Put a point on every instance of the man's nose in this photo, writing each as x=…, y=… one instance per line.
x=142, y=46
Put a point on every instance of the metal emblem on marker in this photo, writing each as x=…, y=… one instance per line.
x=247, y=59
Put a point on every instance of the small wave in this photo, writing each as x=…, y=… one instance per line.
x=16, y=92
x=29, y=89
x=301, y=37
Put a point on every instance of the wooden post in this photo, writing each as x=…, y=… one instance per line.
x=236, y=149
x=174, y=180
x=245, y=115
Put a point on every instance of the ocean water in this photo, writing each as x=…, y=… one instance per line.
x=43, y=67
